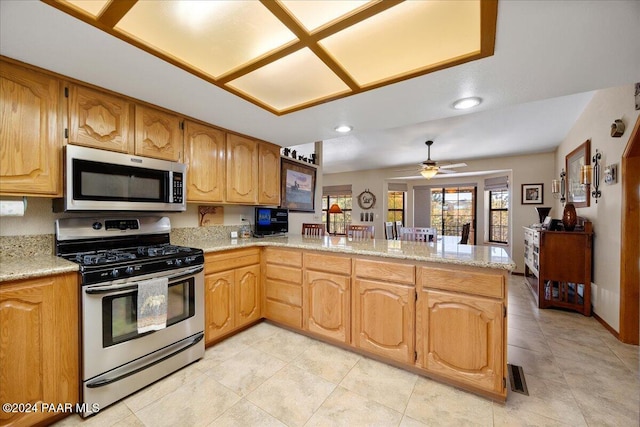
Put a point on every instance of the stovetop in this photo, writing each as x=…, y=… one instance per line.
x=114, y=249
x=140, y=253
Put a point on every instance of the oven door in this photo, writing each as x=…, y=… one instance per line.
x=109, y=319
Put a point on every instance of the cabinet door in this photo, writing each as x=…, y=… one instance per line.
x=39, y=345
x=326, y=298
x=205, y=158
x=462, y=338
x=158, y=134
x=269, y=174
x=30, y=132
x=384, y=317
x=242, y=170
x=100, y=120
x=219, y=304
x=247, y=295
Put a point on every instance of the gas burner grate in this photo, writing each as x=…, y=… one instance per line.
x=103, y=257
x=166, y=249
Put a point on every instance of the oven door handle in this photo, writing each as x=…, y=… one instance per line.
x=129, y=287
x=107, y=381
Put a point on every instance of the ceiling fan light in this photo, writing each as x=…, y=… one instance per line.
x=466, y=103
x=429, y=172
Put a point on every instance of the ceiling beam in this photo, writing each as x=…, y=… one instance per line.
x=115, y=11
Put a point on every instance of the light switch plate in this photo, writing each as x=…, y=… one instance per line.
x=234, y=234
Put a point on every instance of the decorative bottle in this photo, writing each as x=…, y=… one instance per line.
x=569, y=217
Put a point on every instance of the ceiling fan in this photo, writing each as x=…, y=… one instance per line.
x=430, y=167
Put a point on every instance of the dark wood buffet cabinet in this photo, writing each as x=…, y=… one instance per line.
x=558, y=267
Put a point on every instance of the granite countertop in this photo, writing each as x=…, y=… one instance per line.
x=446, y=250
x=15, y=268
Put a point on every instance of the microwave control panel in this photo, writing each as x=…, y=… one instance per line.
x=177, y=187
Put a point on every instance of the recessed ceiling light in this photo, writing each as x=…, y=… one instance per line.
x=343, y=128
x=465, y=103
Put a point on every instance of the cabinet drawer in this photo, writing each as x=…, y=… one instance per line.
x=535, y=238
x=385, y=271
x=328, y=263
x=286, y=274
x=230, y=260
x=283, y=257
x=283, y=313
x=490, y=285
x=285, y=292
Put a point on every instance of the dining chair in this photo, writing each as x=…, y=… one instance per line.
x=464, y=239
x=313, y=230
x=418, y=234
x=389, y=230
x=360, y=232
x=398, y=227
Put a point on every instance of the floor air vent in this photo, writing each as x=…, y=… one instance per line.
x=516, y=378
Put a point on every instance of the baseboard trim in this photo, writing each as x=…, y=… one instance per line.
x=606, y=325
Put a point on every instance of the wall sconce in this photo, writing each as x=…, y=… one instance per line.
x=590, y=174
x=558, y=187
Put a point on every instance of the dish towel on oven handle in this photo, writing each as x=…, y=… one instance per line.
x=152, y=304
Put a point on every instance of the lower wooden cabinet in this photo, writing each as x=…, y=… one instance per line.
x=232, y=292
x=326, y=295
x=283, y=286
x=445, y=322
x=461, y=338
x=383, y=319
x=38, y=345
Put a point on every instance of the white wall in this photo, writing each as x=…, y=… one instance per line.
x=530, y=169
x=595, y=124
x=39, y=217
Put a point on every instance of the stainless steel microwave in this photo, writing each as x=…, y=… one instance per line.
x=99, y=180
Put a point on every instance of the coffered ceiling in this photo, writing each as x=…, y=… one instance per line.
x=287, y=55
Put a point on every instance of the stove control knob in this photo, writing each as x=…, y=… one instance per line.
x=115, y=272
x=188, y=260
x=178, y=262
x=129, y=270
x=96, y=225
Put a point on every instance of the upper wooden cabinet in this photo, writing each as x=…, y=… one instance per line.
x=269, y=174
x=204, y=149
x=100, y=120
x=242, y=170
x=39, y=346
x=157, y=134
x=31, y=132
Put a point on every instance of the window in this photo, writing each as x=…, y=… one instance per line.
x=499, y=216
x=395, y=206
x=337, y=223
x=451, y=208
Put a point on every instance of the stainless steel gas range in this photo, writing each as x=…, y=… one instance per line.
x=116, y=256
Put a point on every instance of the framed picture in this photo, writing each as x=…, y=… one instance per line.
x=577, y=193
x=532, y=194
x=297, y=186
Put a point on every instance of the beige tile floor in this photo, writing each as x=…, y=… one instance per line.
x=577, y=374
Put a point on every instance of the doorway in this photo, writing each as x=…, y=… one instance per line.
x=630, y=250
x=451, y=208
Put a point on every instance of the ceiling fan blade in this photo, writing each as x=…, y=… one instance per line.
x=447, y=171
x=455, y=165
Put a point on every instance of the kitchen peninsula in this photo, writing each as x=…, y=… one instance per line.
x=436, y=309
